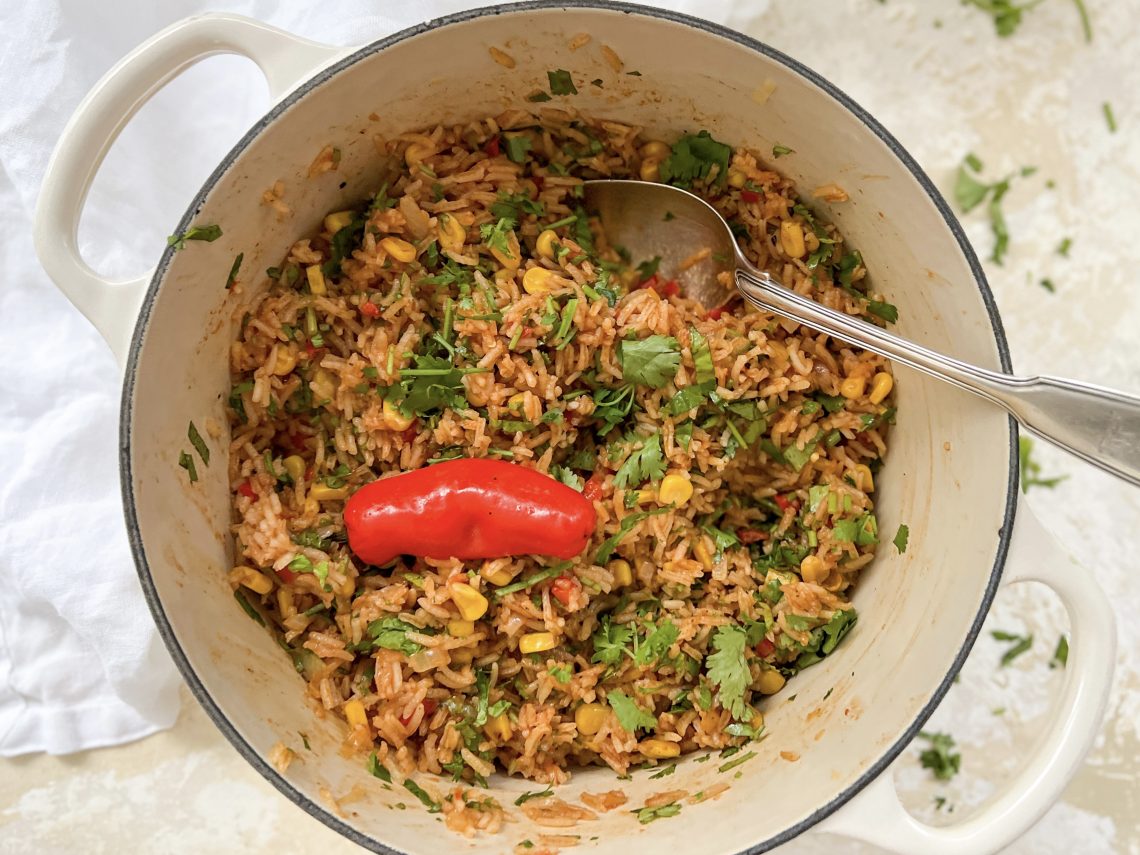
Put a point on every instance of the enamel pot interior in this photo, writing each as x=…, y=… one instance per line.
x=947, y=476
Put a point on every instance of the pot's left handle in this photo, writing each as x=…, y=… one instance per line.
x=877, y=816
x=112, y=306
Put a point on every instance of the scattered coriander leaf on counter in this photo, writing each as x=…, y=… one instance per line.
x=939, y=757
x=998, y=711
x=187, y=463
x=198, y=443
x=1048, y=285
x=901, y=538
x=1086, y=24
x=1021, y=644
x=1109, y=118
x=970, y=191
x=234, y=271
x=1061, y=654
x=561, y=83
x=1031, y=469
x=780, y=150
x=1064, y=246
x=647, y=815
x=1006, y=13
x=206, y=233
x=534, y=794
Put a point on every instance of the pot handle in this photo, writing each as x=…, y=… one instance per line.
x=877, y=816
x=112, y=306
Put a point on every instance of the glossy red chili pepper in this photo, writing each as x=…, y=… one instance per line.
x=492, y=147
x=246, y=489
x=749, y=196
x=370, y=310
x=564, y=588
x=783, y=504
x=593, y=489
x=765, y=648
x=467, y=509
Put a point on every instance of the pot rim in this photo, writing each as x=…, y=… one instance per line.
x=166, y=631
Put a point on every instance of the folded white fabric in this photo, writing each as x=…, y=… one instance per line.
x=81, y=663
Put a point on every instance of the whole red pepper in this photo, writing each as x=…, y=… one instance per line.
x=468, y=508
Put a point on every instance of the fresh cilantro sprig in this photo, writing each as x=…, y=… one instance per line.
x=630, y=716
x=693, y=158
x=206, y=233
x=728, y=669
x=1021, y=643
x=651, y=362
x=940, y=758
x=644, y=464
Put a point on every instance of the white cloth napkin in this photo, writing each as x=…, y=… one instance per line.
x=81, y=663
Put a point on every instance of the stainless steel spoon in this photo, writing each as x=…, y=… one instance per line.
x=1096, y=424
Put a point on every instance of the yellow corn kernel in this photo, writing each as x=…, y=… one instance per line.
x=645, y=496
x=415, y=153
x=452, y=234
x=516, y=401
x=770, y=681
x=675, y=490
x=704, y=554
x=853, y=387
x=393, y=418
x=259, y=583
x=471, y=604
x=650, y=170
x=538, y=280
x=544, y=246
x=312, y=506
x=316, y=280
x=812, y=569
x=499, y=577
x=462, y=655
x=656, y=150
x=286, y=360
x=757, y=721
x=399, y=249
x=325, y=493
x=537, y=642
x=460, y=628
x=295, y=466
x=590, y=718
x=354, y=712
x=658, y=749
x=336, y=221
x=881, y=385
x=498, y=728
x=736, y=178
x=512, y=258
x=792, y=238
x=623, y=572
x=324, y=384
x=864, y=480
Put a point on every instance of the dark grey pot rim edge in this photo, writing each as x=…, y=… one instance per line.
x=214, y=711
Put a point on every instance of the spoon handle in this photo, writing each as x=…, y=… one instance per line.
x=1096, y=424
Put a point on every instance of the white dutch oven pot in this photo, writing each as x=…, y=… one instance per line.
x=951, y=474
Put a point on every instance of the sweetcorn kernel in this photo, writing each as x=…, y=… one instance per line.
x=355, y=714
x=623, y=572
x=881, y=385
x=675, y=490
x=537, y=642
x=544, y=246
x=658, y=749
x=471, y=604
x=399, y=249
x=792, y=239
x=853, y=387
x=589, y=718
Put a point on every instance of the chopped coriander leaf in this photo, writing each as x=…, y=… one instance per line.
x=887, y=311
x=416, y=790
x=650, y=361
x=531, y=580
x=1031, y=469
x=537, y=96
x=611, y=642
x=732, y=764
x=534, y=794
x=187, y=463
x=1048, y=285
x=693, y=157
x=1109, y=118
x=1006, y=14
x=254, y=614
x=561, y=83
x=496, y=237
x=901, y=538
x=728, y=669
x=1061, y=653
x=234, y=270
x=1086, y=25
x=664, y=773
x=628, y=522
x=561, y=673
x=647, y=269
x=973, y=161
x=780, y=150
x=656, y=643
x=939, y=758
x=647, y=815
x=645, y=464
x=1021, y=644
x=517, y=147
x=198, y=443
x=1064, y=246
x=378, y=770
x=391, y=633
x=206, y=233
x=630, y=716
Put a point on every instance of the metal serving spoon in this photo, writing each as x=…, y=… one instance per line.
x=1096, y=424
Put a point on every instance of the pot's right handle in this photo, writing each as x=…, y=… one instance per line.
x=112, y=306
x=877, y=816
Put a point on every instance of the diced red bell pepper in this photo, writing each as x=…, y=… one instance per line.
x=564, y=588
x=783, y=504
x=492, y=147
x=246, y=489
x=750, y=535
x=665, y=288
x=409, y=435
x=593, y=489
x=749, y=196
x=429, y=706
x=370, y=309
x=715, y=314
x=765, y=648
x=287, y=576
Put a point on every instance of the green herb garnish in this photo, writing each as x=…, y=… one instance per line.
x=1109, y=118
x=693, y=157
x=647, y=815
x=939, y=758
x=416, y=790
x=1031, y=469
x=1061, y=653
x=651, y=362
x=206, y=233
x=780, y=150
x=1021, y=643
x=561, y=83
x=234, y=271
x=901, y=538
x=534, y=794
x=187, y=463
x=728, y=669
x=377, y=770
x=630, y=715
